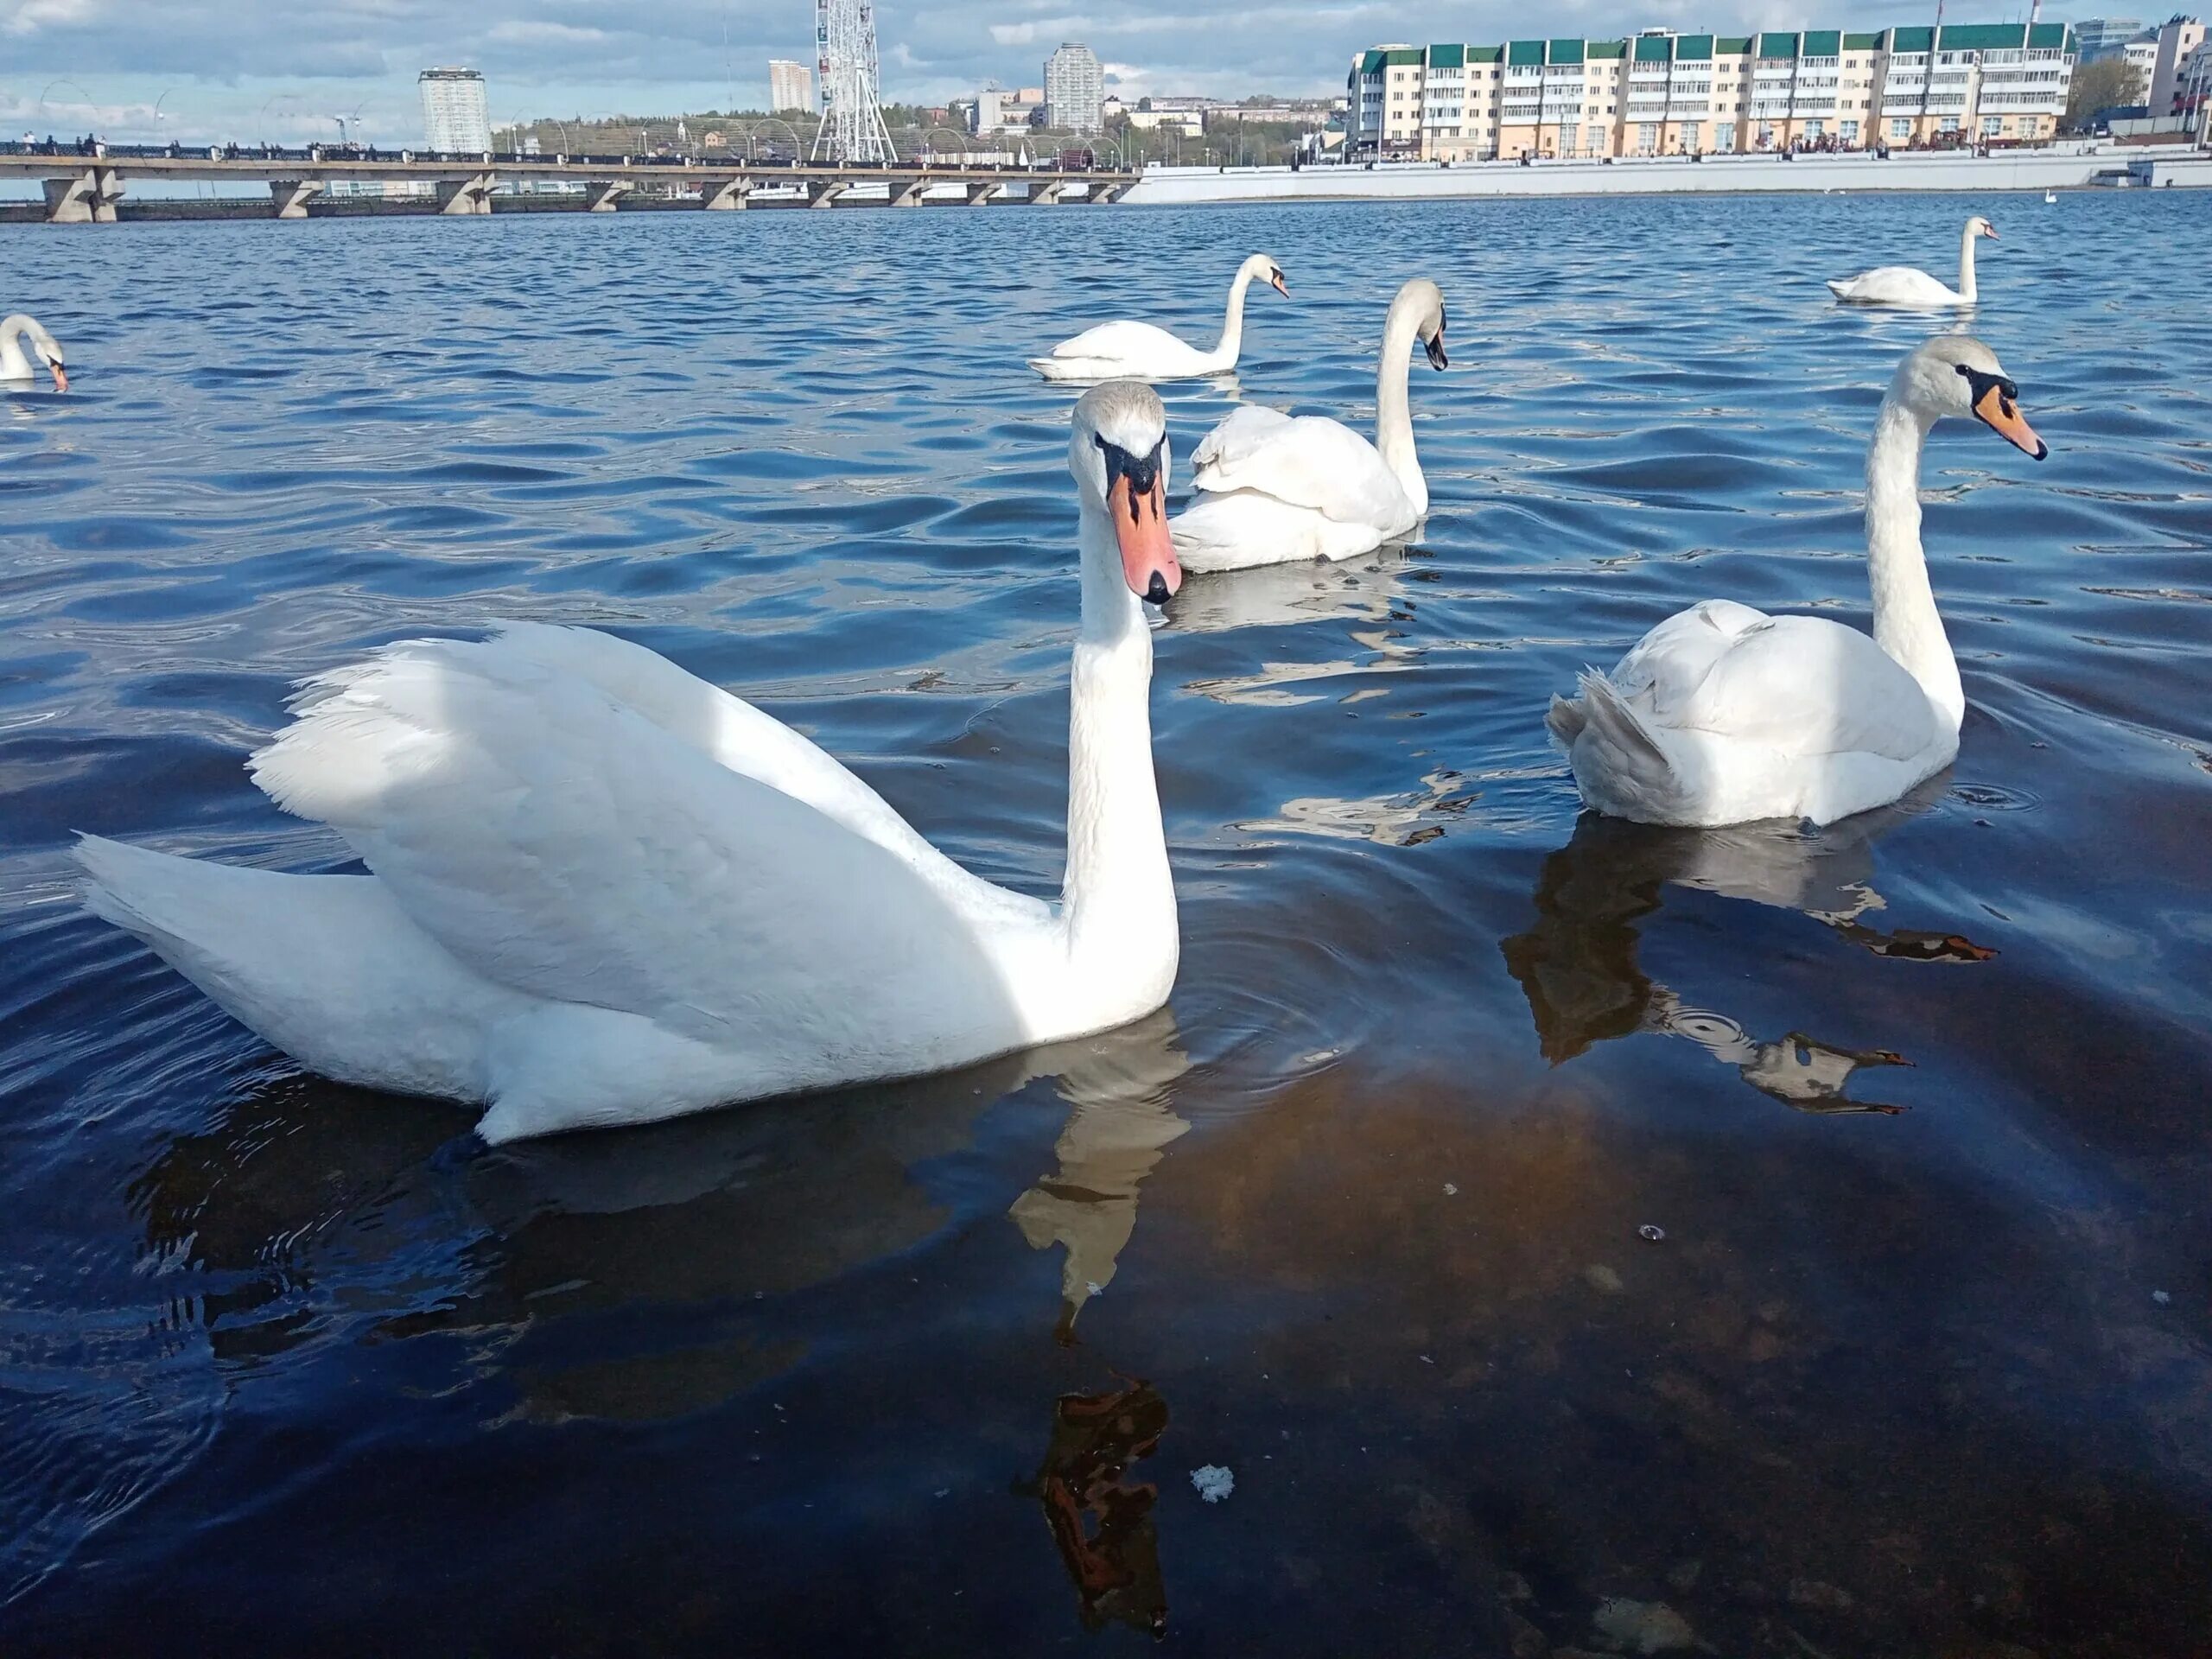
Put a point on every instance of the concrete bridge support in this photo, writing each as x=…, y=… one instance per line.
x=722, y=195
x=1101, y=194
x=1045, y=195
x=601, y=194
x=826, y=195
x=464, y=196
x=292, y=195
x=981, y=195
x=86, y=198
x=910, y=194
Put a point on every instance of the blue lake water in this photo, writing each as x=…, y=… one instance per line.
x=286, y=1367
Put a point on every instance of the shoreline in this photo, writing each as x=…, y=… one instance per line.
x=2146, y=167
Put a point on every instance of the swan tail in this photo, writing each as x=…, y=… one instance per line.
x=1565, y=720
x=325, y=967
x=1619, y=764
x=1841, y=290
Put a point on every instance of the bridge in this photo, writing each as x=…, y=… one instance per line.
x=85, y=188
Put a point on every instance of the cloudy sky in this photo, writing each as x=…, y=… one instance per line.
x=282, y=69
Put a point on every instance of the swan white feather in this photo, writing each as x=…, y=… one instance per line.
x=1273, y=487
x=1722, y=715
x=603, y=890
x=1905, y=286
x=1139, y=351
x=14, y=367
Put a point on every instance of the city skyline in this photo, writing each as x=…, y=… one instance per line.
x=197, y=69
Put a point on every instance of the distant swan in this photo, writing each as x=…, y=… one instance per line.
x=15, y=367
x=1272, y=488
x=1137, y=350
x=1721, y=715
x=603, y=891
x=1902, y=285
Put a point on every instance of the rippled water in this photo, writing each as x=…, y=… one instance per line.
x=1923, y=1361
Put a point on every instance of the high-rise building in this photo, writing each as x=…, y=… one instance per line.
x=1664, y=93
x=2103, y=37
x=791, y=85
x=2178, y=39
x=456, y=117
x=1074, y=88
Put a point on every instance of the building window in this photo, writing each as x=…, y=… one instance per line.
x=1901, y=128
x=1646, y=137
x=1950, y=124
x=1723, y=135
x=1851, y=132
x=1814, y=128
x=1992, y=125
x=1570, y=140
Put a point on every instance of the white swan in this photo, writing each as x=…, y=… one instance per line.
x=1137, y=350
x=604, y=892
x=1721, y=715
x=15, y=367
x=1272, y=488
x=1903, y=285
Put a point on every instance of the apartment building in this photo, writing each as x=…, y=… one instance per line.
x=1664, y=93
x=2176, y=83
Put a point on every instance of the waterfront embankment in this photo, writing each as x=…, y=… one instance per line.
x=2128, y=168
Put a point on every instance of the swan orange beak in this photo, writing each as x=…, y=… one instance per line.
x=60, y=374
x=2002, y=415
x=1275, y=282
x=1141, y=526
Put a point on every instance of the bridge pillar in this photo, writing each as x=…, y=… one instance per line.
x=86, y=198
x=1045, y=195
x=602, y=194
x=827, y=196
x=980, y=196
x=721, y=195
x=292, y=195
x=466, y=196
x=911, y=196
x=1103, y=193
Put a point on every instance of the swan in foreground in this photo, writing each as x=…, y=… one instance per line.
x=1274, y=488
x=1903, y=285
x=15, y=367
x=1137, y=350
x=603, y=891
x=1722, y=715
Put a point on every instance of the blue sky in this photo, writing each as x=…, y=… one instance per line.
x=282, y=69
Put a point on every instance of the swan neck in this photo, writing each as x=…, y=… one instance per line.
x=1119, y=898
x=1966, y=264
x=1907, y=625
x=1394, y=425
x=13, y=363
x=1232, y=322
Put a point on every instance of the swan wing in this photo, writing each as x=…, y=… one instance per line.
x=1307, y=461
x=1895, y=285
x=560, y=842
x=1117, y=340
x=1796, y=685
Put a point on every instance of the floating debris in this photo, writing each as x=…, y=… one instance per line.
x=1450, y=1191
x=1214, y=1483
x=2161, y=1297
x=1650, y=1234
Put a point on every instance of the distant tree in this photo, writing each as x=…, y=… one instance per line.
x=2107, y=84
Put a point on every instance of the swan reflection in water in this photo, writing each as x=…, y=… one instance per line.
x=312, y=1200
x=1578, y=964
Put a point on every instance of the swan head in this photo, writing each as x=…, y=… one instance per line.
x=47, y=347
x=1957, y=375
x=1980, y=226
x=1118, y=453
x=1426, y=300
x=1263, y=267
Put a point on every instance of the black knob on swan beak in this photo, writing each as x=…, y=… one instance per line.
x=1155, y=592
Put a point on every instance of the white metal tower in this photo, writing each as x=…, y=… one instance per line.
x=852, y=116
